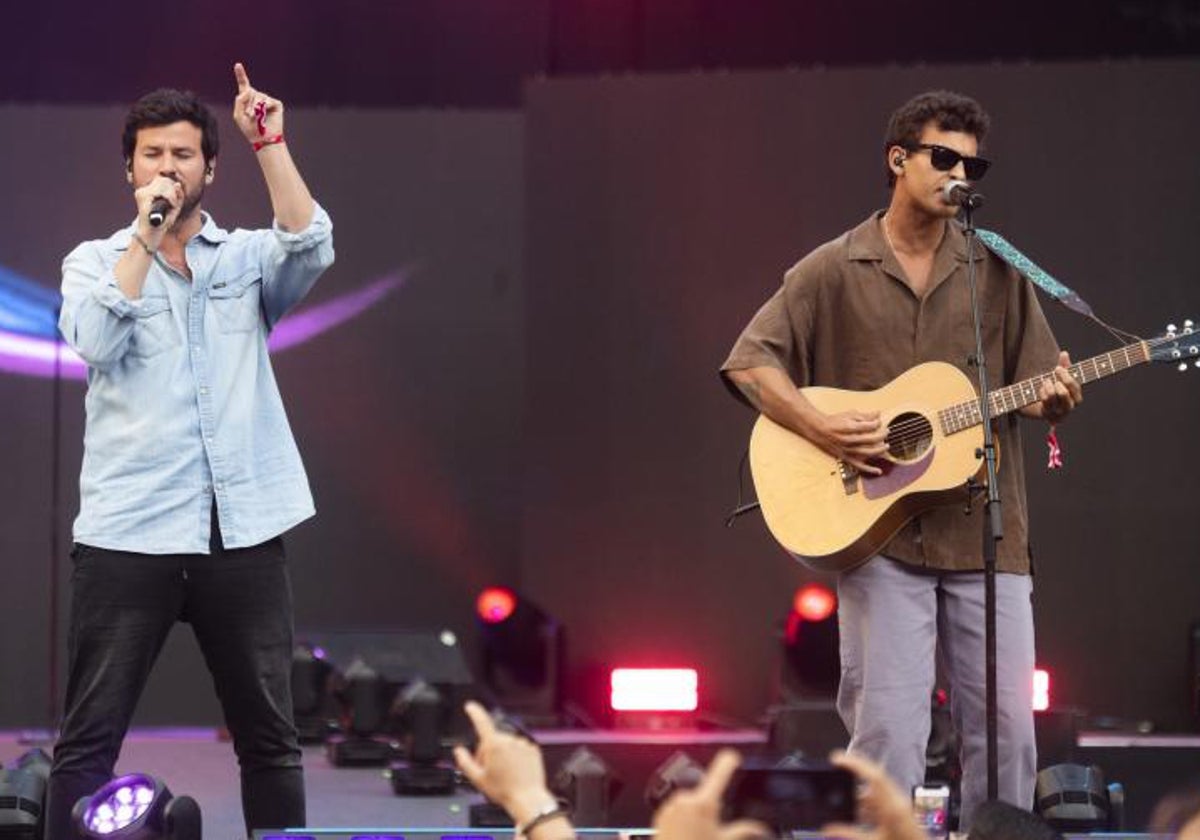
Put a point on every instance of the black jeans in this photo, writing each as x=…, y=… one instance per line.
x=239, y=603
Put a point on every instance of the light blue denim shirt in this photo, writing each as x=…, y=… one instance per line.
x=182, y=405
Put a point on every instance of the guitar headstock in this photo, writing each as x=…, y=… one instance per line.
x=1177, y=345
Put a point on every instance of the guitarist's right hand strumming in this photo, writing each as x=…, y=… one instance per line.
x=853, y=437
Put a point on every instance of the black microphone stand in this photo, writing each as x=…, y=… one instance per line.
x=993, y=524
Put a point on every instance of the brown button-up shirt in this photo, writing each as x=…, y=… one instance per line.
x=846, y=318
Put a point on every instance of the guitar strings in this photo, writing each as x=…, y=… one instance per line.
x=919, y=428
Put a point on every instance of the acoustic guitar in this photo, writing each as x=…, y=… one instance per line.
x=832, y=517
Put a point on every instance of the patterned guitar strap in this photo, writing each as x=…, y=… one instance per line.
x=1031, y=271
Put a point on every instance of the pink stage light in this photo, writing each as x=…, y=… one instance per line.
x=654, y=689
x=814, y=602
x=1041, y=690
x=495, y=604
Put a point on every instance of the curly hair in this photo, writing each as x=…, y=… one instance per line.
x=163, y=107
x=948, y=110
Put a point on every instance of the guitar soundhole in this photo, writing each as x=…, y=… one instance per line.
x=909, y=436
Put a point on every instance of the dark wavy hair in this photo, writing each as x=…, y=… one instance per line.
x=163, y=107
x=948, y=110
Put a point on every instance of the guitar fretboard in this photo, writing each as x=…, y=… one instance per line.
x=964, y=415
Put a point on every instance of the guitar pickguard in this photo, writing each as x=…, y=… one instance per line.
x=895, y=477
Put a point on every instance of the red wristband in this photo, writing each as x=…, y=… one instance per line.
x=270, y=141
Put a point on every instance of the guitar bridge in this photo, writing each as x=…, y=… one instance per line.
x=849, y=475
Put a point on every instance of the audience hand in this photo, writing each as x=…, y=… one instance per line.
x=505, y=768
x=696, y=814
x=881, y=803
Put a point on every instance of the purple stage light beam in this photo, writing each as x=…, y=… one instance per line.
x=31, y=356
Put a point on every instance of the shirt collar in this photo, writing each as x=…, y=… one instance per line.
x=866, y=242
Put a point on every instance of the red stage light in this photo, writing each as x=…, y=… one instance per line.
x=495, y=604
x=654, y=689
x=1041, y=690
x=814, y=602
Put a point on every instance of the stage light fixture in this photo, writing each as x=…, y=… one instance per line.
x=36, y=761
x=942, y=762
x=366, y=699
x=588, y=785
x=811, y=667
x=1041, y=690
x=495, y=604
x=421, y=713
x=137, y=807
x=679, y=772
x=523, y=652
x=313, y=703
x=1073, y=798
x=654, y=689
x=23, y=796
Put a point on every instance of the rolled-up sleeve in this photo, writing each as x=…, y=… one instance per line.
x=96, y=318
x=776, y=336
x=292, y=262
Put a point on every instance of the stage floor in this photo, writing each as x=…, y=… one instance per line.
x=195, y=762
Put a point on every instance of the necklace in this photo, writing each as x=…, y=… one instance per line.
x=887, y=234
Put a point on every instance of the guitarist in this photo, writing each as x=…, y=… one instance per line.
x=854, y=314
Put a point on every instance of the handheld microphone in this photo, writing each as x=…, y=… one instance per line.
x=160, y=208
x=960, y=194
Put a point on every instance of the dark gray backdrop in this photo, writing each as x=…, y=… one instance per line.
x=406, y=416
x=557, y=424
x=663, y=211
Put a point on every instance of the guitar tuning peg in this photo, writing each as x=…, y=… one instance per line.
x=1182, y=367
x=1187, y=325
x=1170, y=329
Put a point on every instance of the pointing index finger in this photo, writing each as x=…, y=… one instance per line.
x=720, y=770
x=484, y=727
x=239, y=73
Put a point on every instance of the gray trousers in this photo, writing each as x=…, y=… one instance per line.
x=892, y=619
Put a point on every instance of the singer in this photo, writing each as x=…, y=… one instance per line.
x=190, y=472
x=853, y=314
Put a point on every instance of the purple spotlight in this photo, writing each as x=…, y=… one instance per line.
x=137, y=807
x=119, y=804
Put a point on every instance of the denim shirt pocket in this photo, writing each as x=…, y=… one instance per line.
x=154, y=329
x=237, y=303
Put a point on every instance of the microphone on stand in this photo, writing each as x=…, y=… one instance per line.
x=960, y=194
x=160, y=208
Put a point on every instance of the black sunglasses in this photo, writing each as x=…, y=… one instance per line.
x=944, y=159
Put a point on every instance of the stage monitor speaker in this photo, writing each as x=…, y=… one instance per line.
x=399, y=656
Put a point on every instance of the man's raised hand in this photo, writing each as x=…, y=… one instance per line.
x=257, y=115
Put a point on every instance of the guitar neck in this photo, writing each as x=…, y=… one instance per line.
x=964, y=415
